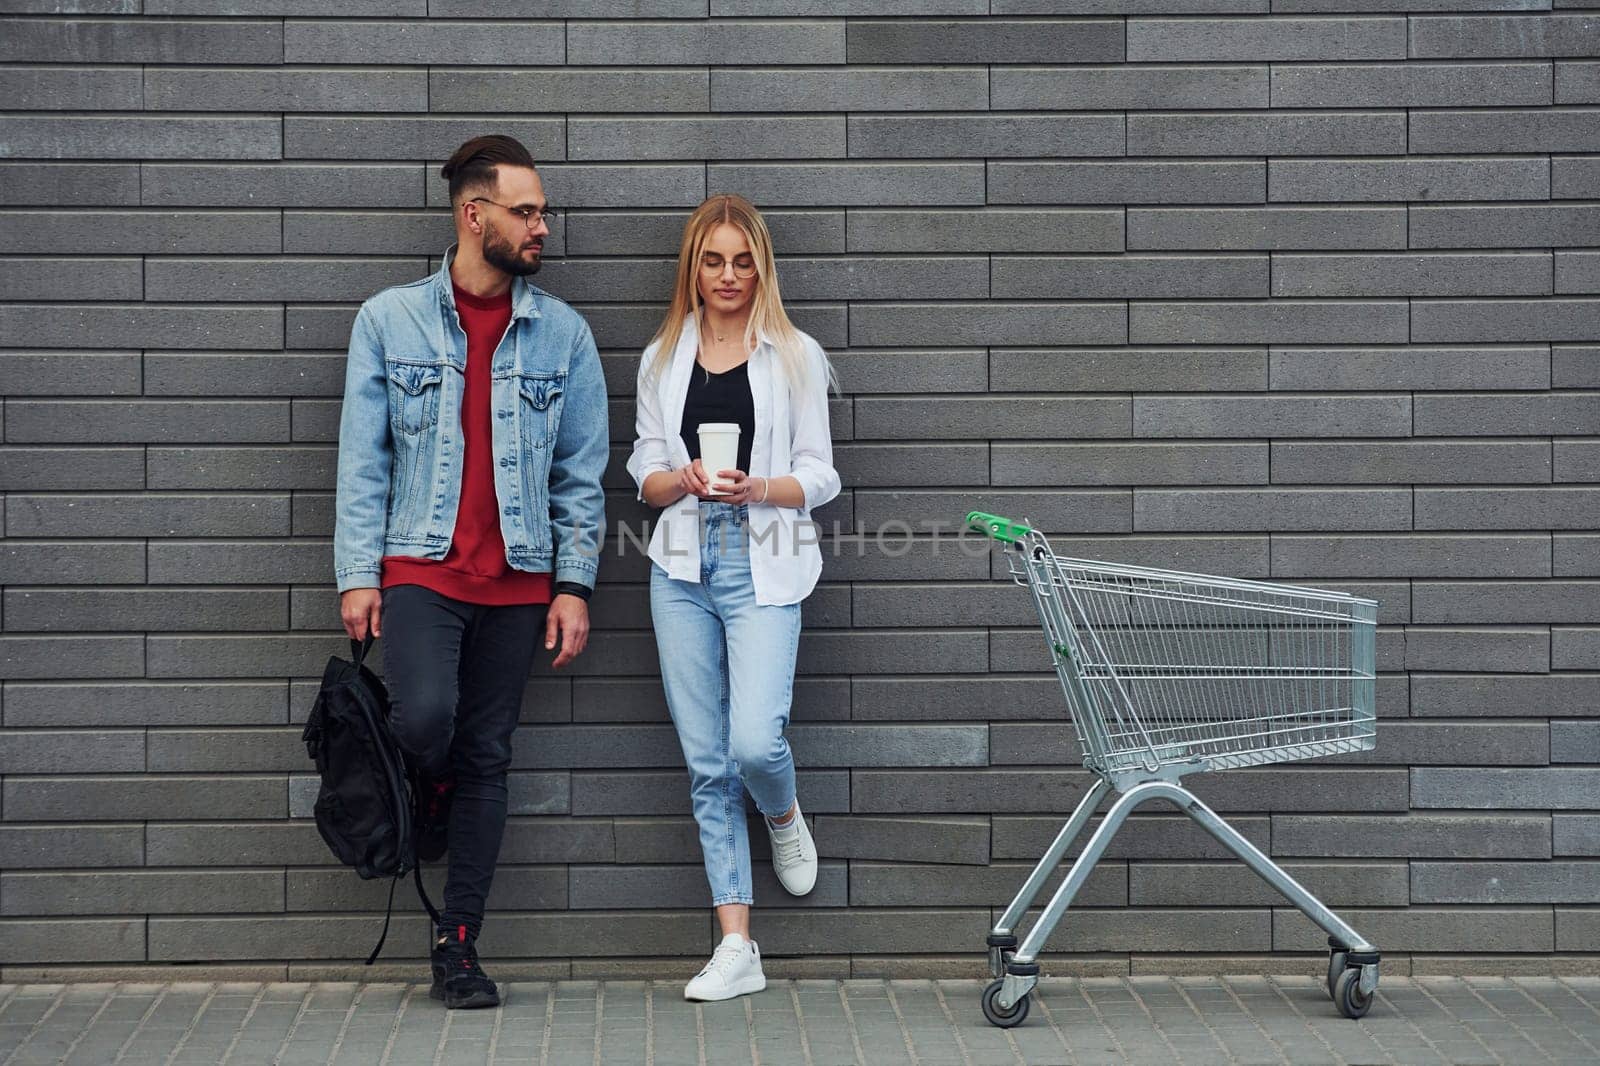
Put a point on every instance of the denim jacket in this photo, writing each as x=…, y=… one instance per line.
x=400, y=440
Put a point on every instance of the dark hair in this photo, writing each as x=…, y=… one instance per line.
x=473, y=164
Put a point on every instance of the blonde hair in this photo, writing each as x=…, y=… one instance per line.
x=766, y=311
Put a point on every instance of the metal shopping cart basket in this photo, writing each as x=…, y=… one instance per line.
x=1167, y=674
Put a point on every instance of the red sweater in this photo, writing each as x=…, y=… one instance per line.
x=475, y=569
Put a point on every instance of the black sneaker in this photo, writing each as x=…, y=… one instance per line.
x=457, y=977
x=434, y=795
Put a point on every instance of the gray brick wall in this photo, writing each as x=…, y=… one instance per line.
x=1309, y=294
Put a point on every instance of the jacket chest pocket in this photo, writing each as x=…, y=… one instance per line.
x=414, y=396
x=540, y=397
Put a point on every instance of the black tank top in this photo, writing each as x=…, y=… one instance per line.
x=723, y=397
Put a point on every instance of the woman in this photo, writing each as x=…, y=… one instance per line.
x=734, y=553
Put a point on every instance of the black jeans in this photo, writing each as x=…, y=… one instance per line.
x=455, y=673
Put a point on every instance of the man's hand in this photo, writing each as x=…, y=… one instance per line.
x=359, y=608
x=568, y=620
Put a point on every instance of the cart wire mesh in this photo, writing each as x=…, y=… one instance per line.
x=1165, y=668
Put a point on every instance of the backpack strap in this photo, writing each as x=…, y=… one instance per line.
x=387, y=911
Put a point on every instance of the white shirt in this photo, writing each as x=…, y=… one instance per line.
x=791, y=438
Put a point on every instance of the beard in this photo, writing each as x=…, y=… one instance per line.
x=504, y=255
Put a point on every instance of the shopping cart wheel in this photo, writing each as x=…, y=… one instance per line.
x=996, y=1016
x=1347, y=994
x=1336, y=966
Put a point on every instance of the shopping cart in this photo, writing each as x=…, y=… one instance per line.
x=1167, y=674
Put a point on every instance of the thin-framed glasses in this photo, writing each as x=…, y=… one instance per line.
x=531, y=217
x=744, y=266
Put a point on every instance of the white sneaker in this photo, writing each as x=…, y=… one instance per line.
x=734, y=970
x=794, y=854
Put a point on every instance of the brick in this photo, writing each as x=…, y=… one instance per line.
x=1575, y=834
x=1574, y=649
x=285, y=185
x=1574, y=367
x=226, y=750
x=140, y=137
x=1424, y=274
x=1573, y=177
x=986, y=229
x=1252, y=133
x=1127, y=370
x=711, y=137
x=321, y=279
x=236, y=844
x=1144, y=836
x=936, y=698
x=901, y=136
x=480, y=89
x=1125, y=87
x=1416, y=462
x=71, y=88
x=1577, y=461
x=81, y=751
x=960, y=840
x=147, y=515
x=688, y=43
x=243, y=562
x=1576, y=930
x=1236, y=885
x=74, y=183
x=141, y=421
x=854, y=88
x=571, y=185
x=1516, y=508
x=143, y=703
x=235, y=468
x=339, y=137
x=656, y=886
x=1508, y=130
x=520, y=888
x=1520, y=650
x=66, y=373
x=285, y=89
x=1402, y=743
x=43, y=847
x=980, y=417
x=1489, y=36
x=1415, y=835
x=1154, y=929
x=667, y=792
x=1321, y=415
x=1280, y=509
x=1576, y=272
x=45, y=279
x=993, y=322
x=801, y=932
x=121, y=232
x=965, y=791
x=1417, y=555
x=1096, y=277
x=1409, y=85
x=89, y=940
x=1510, y=929
x=1501, y=226
x=147, y=325
x=47, y=468
x=1469, y=788
x=38, y=657
x=378, y=233
x=1071, y=510
x=1122, y=182
x=430, y=42
x=137, y=892
x=62, y=799
x=1267, y=322
x=1281, y=39
x=1575, y=555
x=908, y=885
x=1506, y=602
x=902, y=464
x=91, y=40
x=1265, y=229
x=658, y=840
x=871, y=184
x=890, y=745
x=1574, y=742
x=260, y=655
x=1525, y=695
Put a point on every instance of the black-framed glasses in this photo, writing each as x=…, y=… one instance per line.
x=531, y=217
x=744, y=266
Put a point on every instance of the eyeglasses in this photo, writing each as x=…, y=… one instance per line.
x=744, y=266
x=530, y=216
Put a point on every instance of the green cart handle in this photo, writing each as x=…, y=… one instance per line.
x=1001, y=529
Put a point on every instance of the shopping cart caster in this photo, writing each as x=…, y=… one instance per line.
x=998, y=1015
x=1001, y=947
x=1348, y=997
x=1352, y=979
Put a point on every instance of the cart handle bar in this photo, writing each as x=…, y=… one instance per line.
x=1002, y=529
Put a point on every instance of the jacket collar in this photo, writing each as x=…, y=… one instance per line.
x=522, y=302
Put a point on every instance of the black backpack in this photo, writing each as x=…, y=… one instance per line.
x=364, y=803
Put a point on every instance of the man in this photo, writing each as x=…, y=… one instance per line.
x=469, y=511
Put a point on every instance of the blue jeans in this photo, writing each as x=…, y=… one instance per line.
x=728, y=668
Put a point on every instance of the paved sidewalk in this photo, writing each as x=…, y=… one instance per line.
x=1098, y=1020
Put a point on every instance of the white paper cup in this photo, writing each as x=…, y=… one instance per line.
x=719, y=450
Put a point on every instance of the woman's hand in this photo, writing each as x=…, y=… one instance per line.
x=692, y=481
x=740, y=487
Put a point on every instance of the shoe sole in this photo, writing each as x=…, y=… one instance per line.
x=475, y=1001
x=748, y=986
